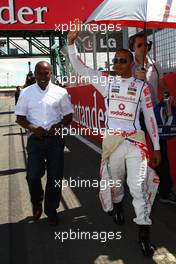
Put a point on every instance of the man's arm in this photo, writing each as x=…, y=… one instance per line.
x=67, y=119
x=94, y=76
x=151, y=124
x=39, y=131
x=67, y=111
x=21, y=112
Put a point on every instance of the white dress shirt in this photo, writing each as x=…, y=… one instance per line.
x=152, y=77
x=44, y=107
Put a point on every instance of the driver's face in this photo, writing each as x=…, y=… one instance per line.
x=122, y=63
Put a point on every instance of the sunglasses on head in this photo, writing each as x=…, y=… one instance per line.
x=119, y=60
x=140, y=45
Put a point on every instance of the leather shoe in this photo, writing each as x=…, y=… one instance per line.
x=118, y=216
x=146, y=246
x=37, y=211
x=53, y=219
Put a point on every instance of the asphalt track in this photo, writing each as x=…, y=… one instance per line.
x=24, y=242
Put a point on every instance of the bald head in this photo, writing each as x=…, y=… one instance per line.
x=43, y=64
x=43, y=72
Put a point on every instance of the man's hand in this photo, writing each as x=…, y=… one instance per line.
x=156, y=158
x=72, y=35
x=55, y=130
x=141, y=75
x=38, y=130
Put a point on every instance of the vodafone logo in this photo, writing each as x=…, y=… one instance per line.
x=121, y=113
x=121, y=107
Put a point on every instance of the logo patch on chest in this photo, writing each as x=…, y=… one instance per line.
x=132, y=89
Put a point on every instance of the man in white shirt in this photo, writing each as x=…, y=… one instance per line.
x=125, y=151
x=43, y=108
x=144, y=67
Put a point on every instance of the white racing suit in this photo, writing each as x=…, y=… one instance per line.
x=124, y=147
x=123, y=154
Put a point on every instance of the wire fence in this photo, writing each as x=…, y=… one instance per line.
x=165, y=42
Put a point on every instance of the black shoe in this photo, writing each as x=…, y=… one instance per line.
x=111, y=213
x=37, y=211
x=53, y=219
x=171, y=198
x=144, y=241
x=118, y=215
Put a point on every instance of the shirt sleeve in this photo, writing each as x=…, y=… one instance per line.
x=22, y=105
x=65, y=105
x=159, y=69
x=149, y=116
x=96, y=78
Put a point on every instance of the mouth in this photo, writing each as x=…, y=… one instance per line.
x=43, y=82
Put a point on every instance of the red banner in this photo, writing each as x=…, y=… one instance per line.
x=42, y=14
x=89, y=111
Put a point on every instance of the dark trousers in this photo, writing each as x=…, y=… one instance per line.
x=47, y=153
x=163, y=170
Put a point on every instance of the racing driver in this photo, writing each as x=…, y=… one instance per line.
x=124, y=146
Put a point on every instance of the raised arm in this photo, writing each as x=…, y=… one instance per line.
x=95, y=77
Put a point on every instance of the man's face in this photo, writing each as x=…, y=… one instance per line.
x=43, y=75
x=139, y=47
x=122, y=63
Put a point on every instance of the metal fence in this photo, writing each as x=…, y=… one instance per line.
x=165, y=43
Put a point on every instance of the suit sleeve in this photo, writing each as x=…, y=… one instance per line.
x=95, y=77
x=149, y=117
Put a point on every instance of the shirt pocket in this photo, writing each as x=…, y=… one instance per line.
x=51, y=105
x=35, y=105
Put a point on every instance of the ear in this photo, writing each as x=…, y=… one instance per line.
x=113, y=67
x=131, y=43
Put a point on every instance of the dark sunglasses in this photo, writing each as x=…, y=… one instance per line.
x=142, y=45
x=119, y=60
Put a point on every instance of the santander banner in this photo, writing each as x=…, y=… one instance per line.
x=42, y=14
x=89, y=110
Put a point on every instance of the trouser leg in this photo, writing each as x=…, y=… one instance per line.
x=55, y=166
x=35, y=168
x=163, y=171
x=116, y=168
x=112, y=171
x=136, y=179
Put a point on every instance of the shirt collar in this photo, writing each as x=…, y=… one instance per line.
x=46, y=89
x=150, y=61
